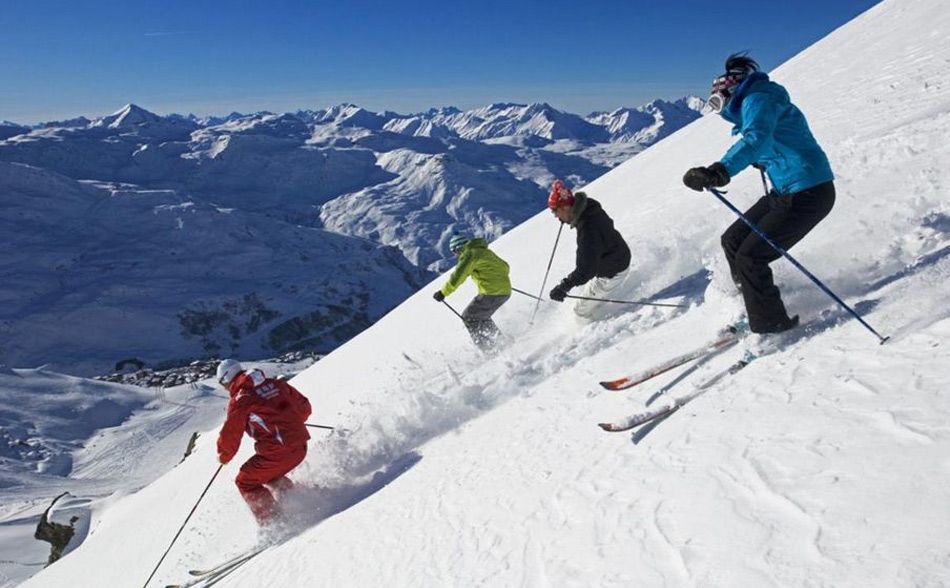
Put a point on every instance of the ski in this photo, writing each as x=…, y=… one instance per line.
x=674, y=404
x=220, y=576
x=236, y=559
x=729, y=336
x=212, y=575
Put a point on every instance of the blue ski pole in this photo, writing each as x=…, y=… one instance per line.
x=787, y=256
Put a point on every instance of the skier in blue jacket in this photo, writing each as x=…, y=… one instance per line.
x=775, y=138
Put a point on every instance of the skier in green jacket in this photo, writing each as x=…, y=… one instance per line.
x=490, y=274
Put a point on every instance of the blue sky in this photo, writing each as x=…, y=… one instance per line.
x=61, y=59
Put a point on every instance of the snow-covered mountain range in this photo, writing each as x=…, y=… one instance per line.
x=206, y=218
x=823, y=463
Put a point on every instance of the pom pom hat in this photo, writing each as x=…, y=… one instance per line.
x=560, y=196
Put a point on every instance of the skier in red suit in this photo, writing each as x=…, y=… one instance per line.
x=273, y=413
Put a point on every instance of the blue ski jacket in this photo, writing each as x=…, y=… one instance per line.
x=775, y=135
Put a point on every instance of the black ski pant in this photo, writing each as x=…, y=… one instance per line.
x=477, y=317
x=785, y=219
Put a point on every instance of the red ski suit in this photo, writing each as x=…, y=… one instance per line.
x=273, y=413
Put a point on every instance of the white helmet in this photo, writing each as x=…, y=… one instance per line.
x=227, y=371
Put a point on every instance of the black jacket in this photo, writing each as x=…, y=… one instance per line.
x=601, y=251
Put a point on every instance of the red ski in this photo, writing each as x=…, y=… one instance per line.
x=729, y=337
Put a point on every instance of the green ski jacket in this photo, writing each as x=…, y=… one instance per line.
x=488, y=271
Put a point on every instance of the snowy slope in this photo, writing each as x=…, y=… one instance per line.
x=105, y=272
x=43, y=415
x=823, y=464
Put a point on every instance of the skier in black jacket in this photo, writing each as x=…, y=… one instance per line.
x=602, y=255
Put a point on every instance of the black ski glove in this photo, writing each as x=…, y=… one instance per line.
x=700, y=178
x=439, y=296
x=558, y=294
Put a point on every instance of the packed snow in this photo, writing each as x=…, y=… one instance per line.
x=823, y=463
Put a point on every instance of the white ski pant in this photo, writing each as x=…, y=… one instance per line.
x=593, y=310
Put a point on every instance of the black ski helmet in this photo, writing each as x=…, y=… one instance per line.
x=740, y=64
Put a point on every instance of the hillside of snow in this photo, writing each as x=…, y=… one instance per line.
x=821, y=464
x=209, y=218
x=107, y=272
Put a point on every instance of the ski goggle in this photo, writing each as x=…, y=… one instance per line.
x=722, y=91
x=716, y=102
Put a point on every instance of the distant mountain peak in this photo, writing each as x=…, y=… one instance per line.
x=443, y=110
x=130, y=114
x=693, y=102
x=650, y=122
x=133, y=117
x=504, y=105
x=540, y=106
x=11, y=129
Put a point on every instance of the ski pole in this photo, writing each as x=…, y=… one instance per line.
x=641, y=302
x=545, y=280
x=453, y=310
x=319, y=426
x=193, y=509
x=787, y=256
x=526, y=294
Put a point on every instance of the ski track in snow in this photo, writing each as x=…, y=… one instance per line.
x=450, y=399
